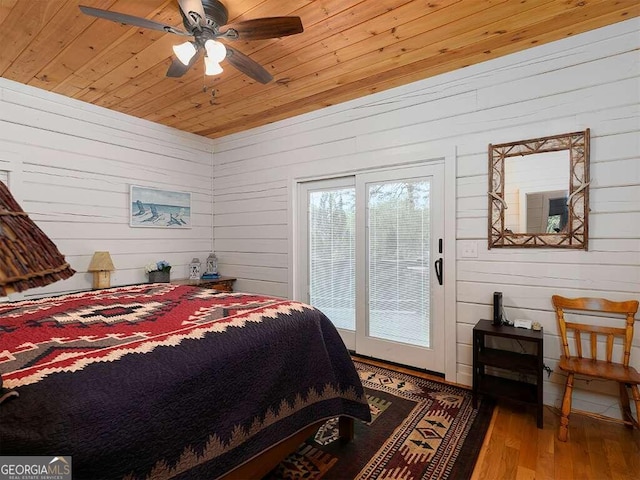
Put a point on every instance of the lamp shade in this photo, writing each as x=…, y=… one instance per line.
x=101, y=262
x=216, y=51
x=101, y=266
x=28, y=258
x=211, y=67
x=185, y=52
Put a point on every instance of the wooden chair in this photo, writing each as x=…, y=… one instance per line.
x=595, y=365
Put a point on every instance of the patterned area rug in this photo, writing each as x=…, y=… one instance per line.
x=420, y=429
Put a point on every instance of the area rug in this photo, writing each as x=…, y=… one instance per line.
x=420, y=429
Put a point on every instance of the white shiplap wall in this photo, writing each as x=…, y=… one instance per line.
x=70, y=166
x=588, y=81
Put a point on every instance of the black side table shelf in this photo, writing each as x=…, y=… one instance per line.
x=500, y=387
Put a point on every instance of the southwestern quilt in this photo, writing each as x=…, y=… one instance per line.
x=164, y=381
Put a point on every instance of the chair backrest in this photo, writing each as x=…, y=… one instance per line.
x=627, y=309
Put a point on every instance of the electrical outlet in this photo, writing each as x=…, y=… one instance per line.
x=469, y=249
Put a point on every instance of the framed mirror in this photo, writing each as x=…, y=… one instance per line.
x=539, y=192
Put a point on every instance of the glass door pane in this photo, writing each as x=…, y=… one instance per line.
x=398, y=261
x=332, y=254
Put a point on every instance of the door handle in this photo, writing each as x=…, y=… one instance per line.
x=438, y=265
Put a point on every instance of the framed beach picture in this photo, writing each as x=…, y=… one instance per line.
x=151, y=207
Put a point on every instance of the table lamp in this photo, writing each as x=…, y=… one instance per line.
x=28, y=258
x=101, y=266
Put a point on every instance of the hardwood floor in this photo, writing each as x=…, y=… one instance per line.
x=514, y=448
x=597, y=449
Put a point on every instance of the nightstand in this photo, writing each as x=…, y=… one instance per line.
x=222, y=284
x=531, y=365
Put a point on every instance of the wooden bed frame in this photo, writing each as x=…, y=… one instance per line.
x=259, y=466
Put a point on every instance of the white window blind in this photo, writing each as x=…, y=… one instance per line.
x=332, y=254
x=398, y=253
x=4, y=177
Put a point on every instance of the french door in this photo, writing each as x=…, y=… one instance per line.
x=372, y=247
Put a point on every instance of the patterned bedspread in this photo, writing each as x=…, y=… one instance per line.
x=163, y=381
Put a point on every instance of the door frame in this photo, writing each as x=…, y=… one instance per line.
x=391, y=158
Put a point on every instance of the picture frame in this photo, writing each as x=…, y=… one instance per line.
x=157, y=208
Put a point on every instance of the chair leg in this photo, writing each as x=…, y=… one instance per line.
x=566, y=409
x=626, y=408
x=635, y=391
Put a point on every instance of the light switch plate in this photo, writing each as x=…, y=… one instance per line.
x=469, y=249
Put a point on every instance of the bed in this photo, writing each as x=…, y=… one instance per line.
x=161, y=381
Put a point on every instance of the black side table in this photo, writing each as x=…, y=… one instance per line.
x=504, y=388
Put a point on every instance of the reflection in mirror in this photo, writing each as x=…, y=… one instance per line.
x=531, y=184
x=546, y=212
x=538, y=192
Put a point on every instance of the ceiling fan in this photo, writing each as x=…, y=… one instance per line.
x=206, y=22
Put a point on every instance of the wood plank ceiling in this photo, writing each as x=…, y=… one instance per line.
x=350, y=48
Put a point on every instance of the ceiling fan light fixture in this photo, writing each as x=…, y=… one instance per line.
x=202, y=20
x=216, y=51
x=211, y=66
x=185, y=52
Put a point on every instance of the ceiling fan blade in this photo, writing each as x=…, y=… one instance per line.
x=247, y=66
x=178, y=69
x=262, y=28
x=130, y=20
x=194, y=6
